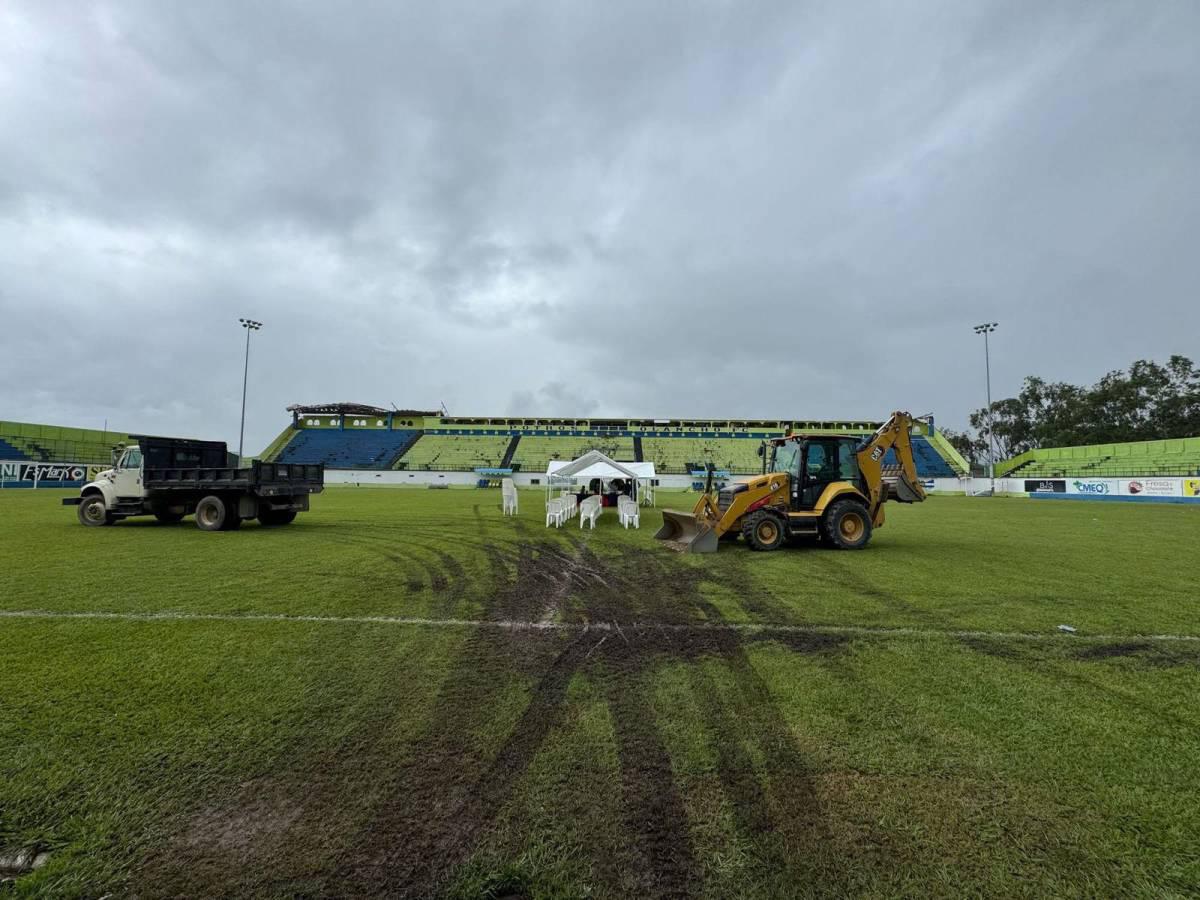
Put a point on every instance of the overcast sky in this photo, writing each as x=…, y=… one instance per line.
x=645, y=209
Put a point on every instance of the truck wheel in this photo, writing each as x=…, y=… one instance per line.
x=764, y=530
x=92, y=512
x=167, y=517
x=211, y=513
x=846, y=525
x=272, y=517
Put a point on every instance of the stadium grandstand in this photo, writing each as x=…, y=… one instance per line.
x=1136, y=459
x=354, y=436
x=25, y=442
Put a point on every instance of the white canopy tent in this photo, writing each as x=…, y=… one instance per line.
x=594, y=464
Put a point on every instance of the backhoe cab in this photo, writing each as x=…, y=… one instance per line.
x=829, y=486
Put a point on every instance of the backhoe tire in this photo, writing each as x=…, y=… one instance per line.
x=273, y=517
x=846, y=525
x=764, y=530
x=212, y=514
x=92, y=511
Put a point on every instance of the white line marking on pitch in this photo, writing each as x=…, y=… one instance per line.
x=508, y=625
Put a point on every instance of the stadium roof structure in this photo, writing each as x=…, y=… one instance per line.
x=355, y=409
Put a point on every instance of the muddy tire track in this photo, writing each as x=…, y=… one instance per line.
x=447, y=793
x=410, y=816
x=656, y=820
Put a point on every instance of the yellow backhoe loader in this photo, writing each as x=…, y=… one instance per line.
x=830, y=486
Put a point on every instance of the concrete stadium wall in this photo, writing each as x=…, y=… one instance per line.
x=1147, y=490
x=401, y=478
x=1136, y=490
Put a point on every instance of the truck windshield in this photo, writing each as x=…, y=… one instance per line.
x=786, y=458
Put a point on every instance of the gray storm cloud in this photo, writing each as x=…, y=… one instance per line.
x=646, y=209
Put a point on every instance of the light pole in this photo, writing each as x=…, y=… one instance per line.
x=250, y=325
x=985, y=329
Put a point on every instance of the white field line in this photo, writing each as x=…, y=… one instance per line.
x=583, y=627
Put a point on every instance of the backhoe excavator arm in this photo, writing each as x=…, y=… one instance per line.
x=894, y=434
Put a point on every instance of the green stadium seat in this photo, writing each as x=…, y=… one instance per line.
x=454, y=452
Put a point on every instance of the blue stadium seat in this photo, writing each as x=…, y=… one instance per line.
x=929, y=462
x=352, y=449
x=9, y=452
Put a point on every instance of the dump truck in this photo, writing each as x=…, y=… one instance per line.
x=169, y=478
x=832, y=487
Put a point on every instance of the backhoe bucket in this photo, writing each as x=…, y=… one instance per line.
x=904, y=490
x=684, y=532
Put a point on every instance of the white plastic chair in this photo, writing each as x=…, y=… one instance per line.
x=589, y=511
x=628, y=513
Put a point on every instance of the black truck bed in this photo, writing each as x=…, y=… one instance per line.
x=259, y=478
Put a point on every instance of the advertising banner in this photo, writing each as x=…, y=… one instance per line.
x=1191, y=487
x=1045, y=486
x=31, y=474
x=1151, y=487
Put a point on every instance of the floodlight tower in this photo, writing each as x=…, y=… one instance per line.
x=985, y=329
x=250, y=325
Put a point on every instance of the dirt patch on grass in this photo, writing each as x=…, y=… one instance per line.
x=1114, y=650
x=1001, y=649
x=364, y=820
x=1147, y=653
x=655, y=820
x=451, y=786
x=261, y=814
x=1134, y=651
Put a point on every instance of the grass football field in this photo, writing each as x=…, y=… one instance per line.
x=406, y=694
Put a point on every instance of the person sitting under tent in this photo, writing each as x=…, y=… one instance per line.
x=604, y=478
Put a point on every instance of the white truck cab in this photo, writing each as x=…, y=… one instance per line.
x=124, y=479
x=119, y=488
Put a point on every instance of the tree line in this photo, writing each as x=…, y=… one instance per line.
x=1147, y=402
